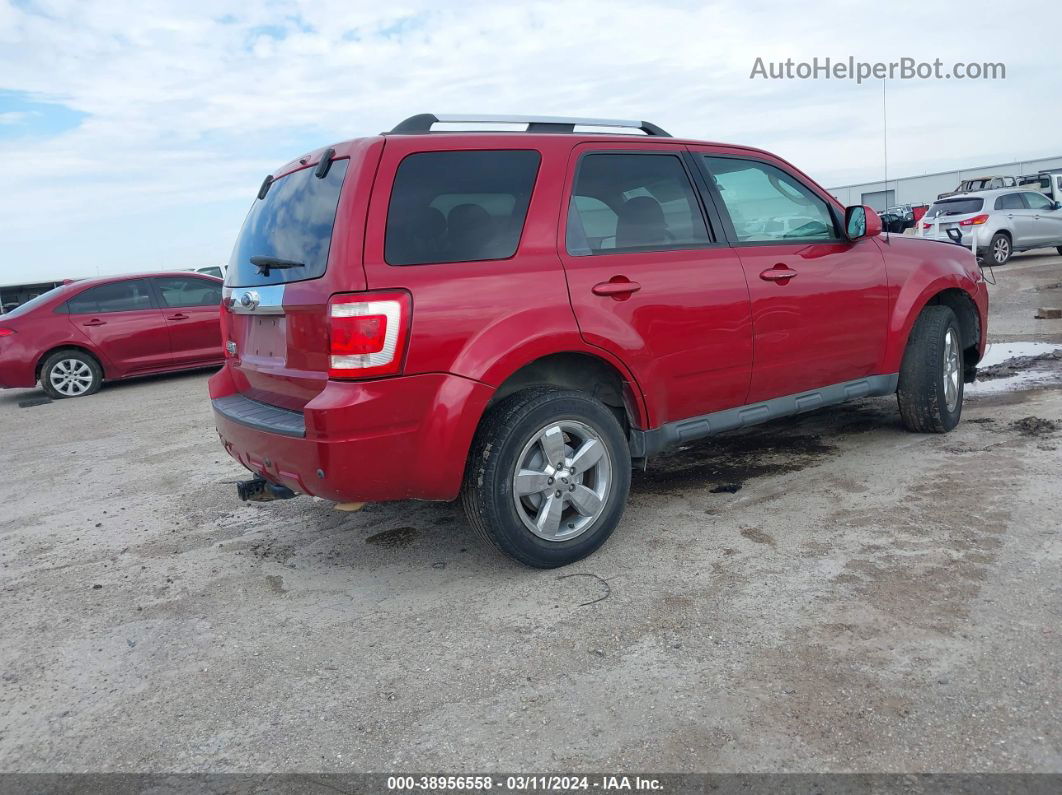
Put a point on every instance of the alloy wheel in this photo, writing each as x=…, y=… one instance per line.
x=1001, y=250
x=951, y=370
x=562, y=480
x=71, y=377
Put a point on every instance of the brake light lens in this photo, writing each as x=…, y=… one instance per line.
x=977, y=220
x=368, y=334
x=6, y=332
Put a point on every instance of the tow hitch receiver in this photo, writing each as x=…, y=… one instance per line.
x=261, y=490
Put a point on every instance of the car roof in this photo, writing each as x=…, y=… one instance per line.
x=121, y=277
x=983, y=194
x=494, y=138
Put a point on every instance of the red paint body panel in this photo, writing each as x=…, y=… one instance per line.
x=823, y=326
x=373, y=440
x=686, y=334
x=703, y=333
x=125, y=343
x=917, y=271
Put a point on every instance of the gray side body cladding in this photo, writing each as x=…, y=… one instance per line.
x=647, y=443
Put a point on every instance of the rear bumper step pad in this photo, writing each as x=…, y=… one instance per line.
x=261, y=416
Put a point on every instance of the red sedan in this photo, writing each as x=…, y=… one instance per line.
x=74, y=337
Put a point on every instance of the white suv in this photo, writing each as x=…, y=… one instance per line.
x=998, y=222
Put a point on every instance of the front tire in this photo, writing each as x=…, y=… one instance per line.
x=548, y=476
x=69, y=374
x=931, y=376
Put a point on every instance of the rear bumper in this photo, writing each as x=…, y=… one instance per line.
x=389, y=439
x=17, y=366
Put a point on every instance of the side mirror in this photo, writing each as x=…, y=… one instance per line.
x=1058, y=206
x=861, y=221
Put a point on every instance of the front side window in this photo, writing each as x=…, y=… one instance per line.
x=128, y=296
x=293, y=222
x=188, y=291
x=633, y=202
x=766, y=205
x=1037, y=201
x=462, y=206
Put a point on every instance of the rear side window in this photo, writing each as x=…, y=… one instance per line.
x=188, y=291
x=767, y=205
x=459, y=206
x=1010, y=201
x=633, y=202
x=293, y=222
x=130, y=296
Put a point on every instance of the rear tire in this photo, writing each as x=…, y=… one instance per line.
x=999, y=250
x=518, y=498
x=70, y=373
x=931, y=376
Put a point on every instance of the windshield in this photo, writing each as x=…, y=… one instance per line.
x=955, y=207
x=293, y=222
x=33, y=303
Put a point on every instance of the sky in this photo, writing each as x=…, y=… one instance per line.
x=134, y=134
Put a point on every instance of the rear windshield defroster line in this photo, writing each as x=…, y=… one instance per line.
x=294, y=223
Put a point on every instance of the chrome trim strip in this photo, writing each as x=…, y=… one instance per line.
x=270, y=299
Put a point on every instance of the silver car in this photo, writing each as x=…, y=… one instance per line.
x=998, y=222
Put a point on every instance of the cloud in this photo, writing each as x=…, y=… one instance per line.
x=186, y=104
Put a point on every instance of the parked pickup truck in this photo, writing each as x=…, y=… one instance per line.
x=518, y=318
x=980, y=183
x=1048, y=183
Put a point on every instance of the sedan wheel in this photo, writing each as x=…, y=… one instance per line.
x=71, y=377
x=69, y=374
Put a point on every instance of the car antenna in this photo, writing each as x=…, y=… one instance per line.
x=885, y=147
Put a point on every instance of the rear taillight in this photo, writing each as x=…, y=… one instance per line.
x=6, y=332
x=977, y=220
x=368, y=334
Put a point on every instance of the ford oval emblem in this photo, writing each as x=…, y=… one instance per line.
x=250, y=299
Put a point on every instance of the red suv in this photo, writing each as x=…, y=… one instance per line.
x=76, y=336
x=516, y=317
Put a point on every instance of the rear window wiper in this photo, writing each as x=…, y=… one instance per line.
x=266, y=264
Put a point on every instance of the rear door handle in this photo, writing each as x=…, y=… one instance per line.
x=178, y=316
x=779, y=273
x=95, y=322
x=616, y=288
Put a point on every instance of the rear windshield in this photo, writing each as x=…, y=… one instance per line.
x=293, y=222
x=955, y=207
x=33, y=303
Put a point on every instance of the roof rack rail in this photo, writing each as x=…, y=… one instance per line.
x=422, y=123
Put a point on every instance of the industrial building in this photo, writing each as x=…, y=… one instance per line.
x=924, y=189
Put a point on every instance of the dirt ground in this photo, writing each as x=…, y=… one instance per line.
x=834, y=594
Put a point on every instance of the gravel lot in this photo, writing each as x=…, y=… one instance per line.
x=833, y=594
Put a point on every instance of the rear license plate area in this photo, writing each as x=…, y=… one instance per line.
x=267, y=339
